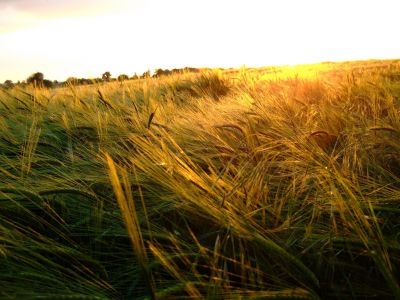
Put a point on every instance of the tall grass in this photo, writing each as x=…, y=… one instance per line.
x=278, y=182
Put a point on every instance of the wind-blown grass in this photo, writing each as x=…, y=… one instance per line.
x=277, y=183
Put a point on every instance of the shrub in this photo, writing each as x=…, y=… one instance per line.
x=123, y=77
x=47, y=83
x=36, y=79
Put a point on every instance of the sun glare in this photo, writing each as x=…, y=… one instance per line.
x=175, y=34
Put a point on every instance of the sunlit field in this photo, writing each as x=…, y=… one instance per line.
x=277, y=182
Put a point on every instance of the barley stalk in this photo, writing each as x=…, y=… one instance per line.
x=23, y=192
x=387, y=273
x=74, y=255
x=43, y=278
x=271, y=246
x=22, y=215
x=68, y=297
x=68, y=191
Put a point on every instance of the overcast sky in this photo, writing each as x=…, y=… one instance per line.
x=83, y=38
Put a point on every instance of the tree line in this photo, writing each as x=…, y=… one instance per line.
x=37, y=79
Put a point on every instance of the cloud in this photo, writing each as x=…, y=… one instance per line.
x=18, y=14
x=11, y=20
x=61, y=8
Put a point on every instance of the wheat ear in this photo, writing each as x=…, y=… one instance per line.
x=20, y=191
x=68, y=191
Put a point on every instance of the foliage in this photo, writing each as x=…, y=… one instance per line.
x=78, y=81
x=47, y=83
x=106, y=76
x=8, y=84
x=36, y=79
x=146, y=74
x=279, y=182
x=134, y=77
x=159, y=72
x=123, y=77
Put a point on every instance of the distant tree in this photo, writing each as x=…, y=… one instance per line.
x=106, y=76
x=85, y=81
x=158, y=73
x=55, y=81
x=123, y=77
x=97, y=80
x=81, y=81
x=36, y=79
x=146, y=74
x=176, y=71
x=8, y=84
x=189, y=69
x=72, y=81
x=135, y=76
x=47, y=83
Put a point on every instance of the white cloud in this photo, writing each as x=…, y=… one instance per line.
x=18, y=14
x=12, y=19
x=61, y=8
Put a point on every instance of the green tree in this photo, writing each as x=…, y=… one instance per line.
x=36, y=79
x=47, y=83
x=8, y=84
x=83, y=81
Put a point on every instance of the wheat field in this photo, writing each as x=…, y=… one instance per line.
x=278, y=182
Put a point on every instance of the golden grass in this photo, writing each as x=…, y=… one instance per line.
x=278, y=182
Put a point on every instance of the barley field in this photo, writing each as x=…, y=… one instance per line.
x=269, y=183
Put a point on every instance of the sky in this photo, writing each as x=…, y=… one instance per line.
x=85, y=38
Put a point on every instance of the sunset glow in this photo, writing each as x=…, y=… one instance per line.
x=132, y=36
